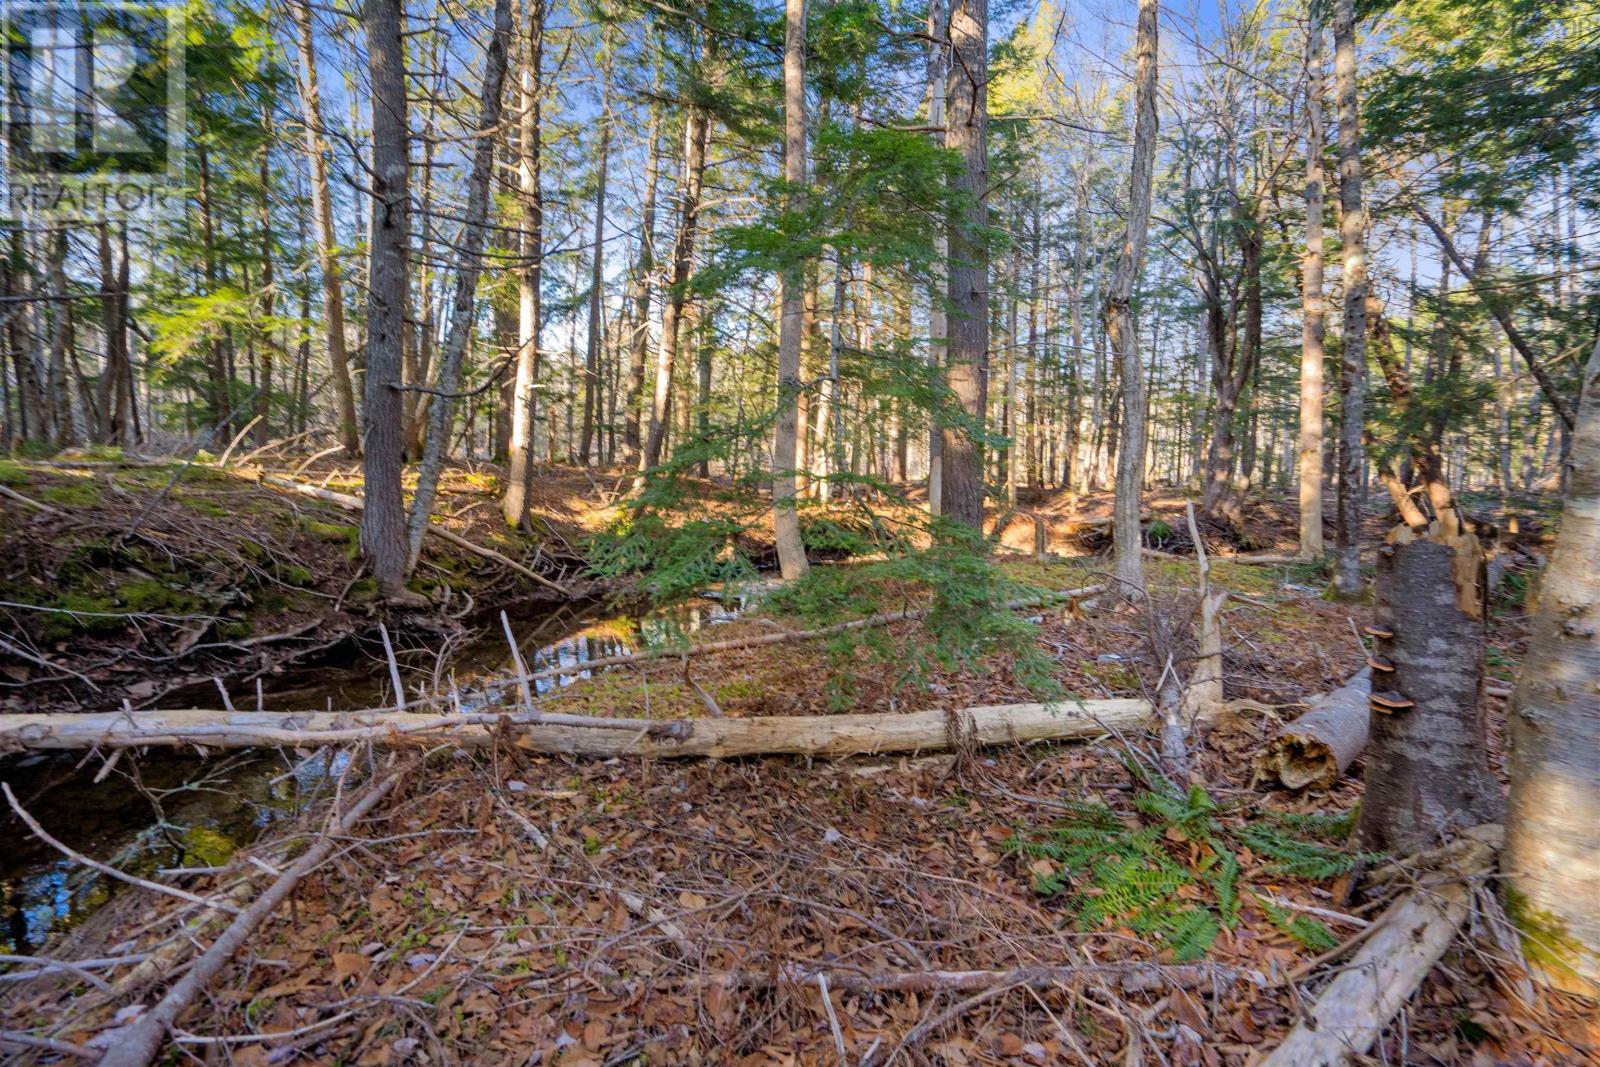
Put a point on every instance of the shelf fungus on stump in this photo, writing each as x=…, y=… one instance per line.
x=1389, y=702
x=1381, y=630
x=1381, y=664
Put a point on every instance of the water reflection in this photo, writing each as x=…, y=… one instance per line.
x=140, y=825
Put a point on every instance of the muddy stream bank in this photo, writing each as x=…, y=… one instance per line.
x=170, y=810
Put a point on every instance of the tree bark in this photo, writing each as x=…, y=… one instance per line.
x=1552, y=834
x=1118, y=313
x=591, y=360
x=1352, y=372
x=696, y=134
x=519, y=468
x=383, y=520
x=785, y=520
x=643, y=281
x=462, y=318
x=1314, y=326
x=816, y=735
x=327, y=239
x=1427, y=766
x=967, y=357
x=939, y=283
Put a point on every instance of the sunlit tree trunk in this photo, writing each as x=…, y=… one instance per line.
x=383, y=534
x=643, y=283
x=966, y=369
x=696, y=133
x=519, y=472
x=591, y=362
x=785, y=520
x=1119, y=304
x=1352, y=377
x=327, y=239
x=1552, y=835
x=1313, y=326
x=462, y=318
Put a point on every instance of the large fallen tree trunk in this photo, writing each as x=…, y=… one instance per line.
x=1319, y=746
x=1408, y=939
x=576, y=735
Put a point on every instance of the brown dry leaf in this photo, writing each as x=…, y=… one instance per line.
x=346, y=964
x=594, y=1034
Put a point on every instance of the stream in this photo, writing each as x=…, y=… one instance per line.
x=167, y=809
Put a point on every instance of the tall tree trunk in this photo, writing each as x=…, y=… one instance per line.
x=1119, y=304
x=938, y=286
x=1313, y=327
x=967, y=358
x=696, y=133
x=327, y=239
x=1352, y=372
x=785, y=521
x=263, y=405
x=383, y=520
x=519, y=472
x=643, y=281
x=591, y=361
x=1552, y=835
x=466, y=287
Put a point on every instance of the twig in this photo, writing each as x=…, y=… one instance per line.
x=223, y=462
x=394, y=669
x=105, y=868
x=833, y=1017
x=48, y=1044
x=12, y=494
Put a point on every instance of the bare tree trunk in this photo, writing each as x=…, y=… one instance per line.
x=1352, y=373
x=696, y=133
x=591, y=361
x=1314, y=326
x=437, y=441
x=785, y=521
x=327, y=239
x=383, y=520
x=519, y=471
x=1427, y=771
x=967, y=362
x=938, y=287
x=1119, y=305
x=263, y=405
x=1552, y=835
x=643, y=281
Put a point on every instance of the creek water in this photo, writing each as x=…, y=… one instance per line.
x=166, y=809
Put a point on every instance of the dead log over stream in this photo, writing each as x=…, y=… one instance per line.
x=576, y=735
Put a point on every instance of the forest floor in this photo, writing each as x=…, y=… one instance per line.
x=510, y=908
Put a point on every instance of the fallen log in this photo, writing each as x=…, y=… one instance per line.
x=355, y=503
x=1406, y=941
x=577, y=735
x=137, y=1045
x=1319, y=746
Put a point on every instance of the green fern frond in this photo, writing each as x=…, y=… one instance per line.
x=1303, y=928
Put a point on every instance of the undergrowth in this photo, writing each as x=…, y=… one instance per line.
x=1171, y=871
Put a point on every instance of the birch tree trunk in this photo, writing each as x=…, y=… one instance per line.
x=461, y=312
x=1314, y=326
x=1352, y=376
x=1552, y=834
x=967, y=357
x=938, y=286
x=519, y=468
x=383, y=521
x=1118, y=312
x=785, y=520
